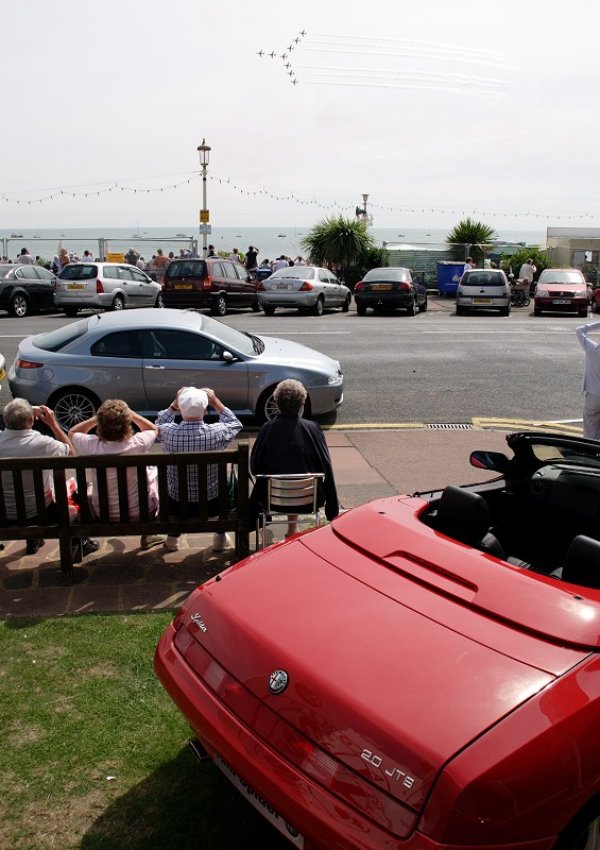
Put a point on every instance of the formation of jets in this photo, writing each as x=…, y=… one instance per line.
x=295, y=42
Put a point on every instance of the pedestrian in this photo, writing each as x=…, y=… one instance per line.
x=299, y=261
x=160, y=261
x=591, y=381
x=114, y=423
x=141, y=264
x=527, y=272
x=25, y=258
x=211, y=251
x=19, y=439
x=235, y=256
x=87, y=257
x=252, y=258
x=132, y=257
x=288, y=445
x=469, y=264
x=280, y=263
x=63, y=259
x=192, y=434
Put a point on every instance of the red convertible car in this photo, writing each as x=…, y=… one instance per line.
x=423, y=673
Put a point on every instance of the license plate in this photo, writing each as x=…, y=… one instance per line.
x=560, y=301
x=282, y=286
x=184, y=286
x=76, y=286
x=266, y=810
x=482, y=301
x=381, y=287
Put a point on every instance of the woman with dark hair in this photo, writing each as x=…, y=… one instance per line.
x=288, y=445
x=115, y=435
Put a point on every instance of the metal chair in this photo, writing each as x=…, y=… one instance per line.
x=295, y=495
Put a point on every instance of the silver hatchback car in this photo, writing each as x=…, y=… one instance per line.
x=104, y=286
x=483, y=289
x=305, y=288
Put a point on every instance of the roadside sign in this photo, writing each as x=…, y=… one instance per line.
x=204, y=216
x=205, y=229
x=115, y=258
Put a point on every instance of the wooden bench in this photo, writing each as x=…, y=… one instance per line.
x=67, y=529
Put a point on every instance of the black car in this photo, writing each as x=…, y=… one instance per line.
x=389, y=288
x=212, y=282
x=25, y=289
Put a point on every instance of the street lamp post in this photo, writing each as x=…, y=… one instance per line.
x=204, y=151
x=366, y=215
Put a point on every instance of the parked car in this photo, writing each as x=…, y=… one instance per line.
x=212, y=283
x=389, y=288
x=25, y=289
x=561, y=290
x=104, y=286
x=308, y=288
x=146, y=358
x=406, y=678
x=483, y=289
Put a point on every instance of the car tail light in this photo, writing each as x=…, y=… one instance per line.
x=358, y=286
x=306, y=286
x=28, y=364
x=207, y=282
x=403, y=286
x=99, y=287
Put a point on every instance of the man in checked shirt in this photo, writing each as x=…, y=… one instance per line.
x=192, y=434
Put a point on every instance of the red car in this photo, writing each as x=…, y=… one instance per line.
x=561, y=290
x=422, y=674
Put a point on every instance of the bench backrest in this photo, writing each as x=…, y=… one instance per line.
x=187, y=463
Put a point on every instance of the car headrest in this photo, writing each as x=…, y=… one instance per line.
x=463, y=515
x=582, y=562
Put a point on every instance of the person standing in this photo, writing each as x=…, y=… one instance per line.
x=25, y=258
x=591, y=380
x=288, y=445
x=211, y=251
x=192, y=434
x=132, y=257
x=235, y=256
x=252, y=258
x=527, y=272
x=469, y=264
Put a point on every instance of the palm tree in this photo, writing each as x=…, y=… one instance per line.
x=470, y=238
x=339, y=242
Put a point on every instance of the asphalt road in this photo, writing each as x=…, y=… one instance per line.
x=431, y=368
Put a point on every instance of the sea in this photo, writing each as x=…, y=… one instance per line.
x=271, y=242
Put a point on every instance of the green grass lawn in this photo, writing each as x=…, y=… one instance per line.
x=93, y=753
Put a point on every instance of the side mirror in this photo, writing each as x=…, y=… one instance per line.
x=229, y=357
x=495, y=461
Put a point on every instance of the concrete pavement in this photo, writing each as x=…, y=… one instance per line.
x=121, y=577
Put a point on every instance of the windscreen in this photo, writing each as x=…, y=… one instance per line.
x=78, y=271
x=400, y=275
x=550, y=276
x=186, y=268
x=483, y=278
x=303, y=272
x=56, y=340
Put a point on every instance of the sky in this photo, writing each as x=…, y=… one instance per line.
x=437, y=110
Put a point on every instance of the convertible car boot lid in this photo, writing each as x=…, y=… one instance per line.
x=393, y=683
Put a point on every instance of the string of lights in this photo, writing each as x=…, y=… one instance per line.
x=115, y=187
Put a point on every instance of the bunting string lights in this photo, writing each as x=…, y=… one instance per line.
x=330, y=206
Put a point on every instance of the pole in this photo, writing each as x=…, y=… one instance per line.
x=204, y=207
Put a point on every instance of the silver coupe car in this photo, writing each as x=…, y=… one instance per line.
x=146, y=356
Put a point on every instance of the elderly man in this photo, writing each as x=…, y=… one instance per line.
x=20, y=440
x=192, y=434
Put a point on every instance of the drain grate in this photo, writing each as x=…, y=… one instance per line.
x=450, y=426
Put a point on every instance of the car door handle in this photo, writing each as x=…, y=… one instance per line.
x=155, y=366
